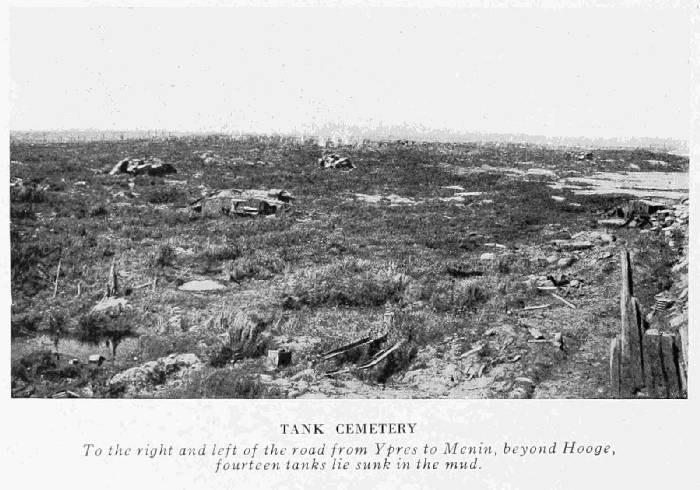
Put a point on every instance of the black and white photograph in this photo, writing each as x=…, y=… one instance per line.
x=355, y=203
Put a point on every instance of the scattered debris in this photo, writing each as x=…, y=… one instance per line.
x=146, y=378
x=209, y=157
x=391, y=199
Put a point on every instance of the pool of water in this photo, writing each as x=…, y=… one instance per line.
x=666, y=185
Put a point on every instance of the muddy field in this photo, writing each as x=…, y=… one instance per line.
x=266, y=267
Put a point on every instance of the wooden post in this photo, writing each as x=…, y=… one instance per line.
x=55, y=284
x=631, y=358
x=682, y=339
x=615, y=366
x=670, y=365
x=113, y=284
x=653, y=365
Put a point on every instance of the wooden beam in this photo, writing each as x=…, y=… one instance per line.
x=632, y=378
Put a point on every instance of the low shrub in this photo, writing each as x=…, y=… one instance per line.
x=224, y=383
x=350, y=283
x=256, y=265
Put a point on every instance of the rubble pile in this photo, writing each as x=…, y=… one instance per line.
x=334, y=160
x=250, y=202
x=148, y=378
x=209, y=157
x=143, y=166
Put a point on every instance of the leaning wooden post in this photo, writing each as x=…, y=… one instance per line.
x=631, y=332
x=55, y=284
x=112, y=284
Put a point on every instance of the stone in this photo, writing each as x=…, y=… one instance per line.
x=335, y=161
x=205, y=285
x=305, y=375
x=487, y=257
x=279, y=357
x=617, y=222
x=96, y=359
x=565, y=262
x=607, y=238
x=552, y=259
x=573, y=244
x=541, y=173
x=110, y=305
x=146, y=378
x=143, y=166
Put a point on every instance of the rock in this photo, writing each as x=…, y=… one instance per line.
x=146, y=378
x=279, y=357
x=302, y=386
x=143, y=166
x=96, y=359
x=575, y=283
x=552, y=259
x=523, y=381
x=111, y=306
x=305, y=375
x=487, y=257
x=565, y=262
x=518, y=393
x=335, y=161
x=573, y=244
x=205, y=285
x=541, y=173
x=617, y=222
x=607, y=238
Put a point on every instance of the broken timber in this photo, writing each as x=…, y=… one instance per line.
x=380, y=356
x=353, y=345
x=643, y=362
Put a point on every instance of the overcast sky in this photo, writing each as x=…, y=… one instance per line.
x=586, y=72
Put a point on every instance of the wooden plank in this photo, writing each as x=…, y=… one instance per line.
x=567, y=303
x=615, y=367
x=653, y=368
x=536, y=307
x=632, y=378
x=383, y=355
x=670, y=364
x=331, y=354
x=683, y=339
x=682, y=347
